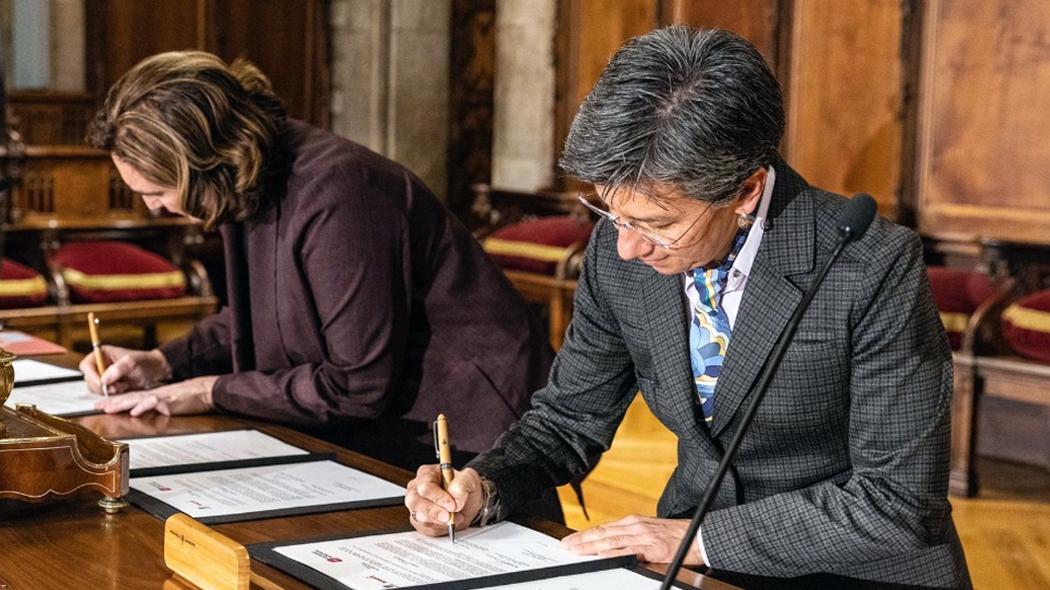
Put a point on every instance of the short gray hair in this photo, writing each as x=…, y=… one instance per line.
x=698, y=110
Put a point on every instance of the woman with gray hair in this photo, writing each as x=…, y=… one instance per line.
x=356, y=301
x=708, y=241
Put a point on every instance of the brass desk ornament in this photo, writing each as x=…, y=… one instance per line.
x=43, y=457
x=7, y=383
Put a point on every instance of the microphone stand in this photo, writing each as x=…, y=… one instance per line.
x=846, y=236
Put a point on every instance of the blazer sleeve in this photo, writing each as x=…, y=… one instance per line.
x=353, y=255
x=896, y=497
x=205, y=350
x=574, y=417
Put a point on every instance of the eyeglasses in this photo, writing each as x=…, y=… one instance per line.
x=648, y=234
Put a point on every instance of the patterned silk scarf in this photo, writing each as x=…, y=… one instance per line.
x=709, y=331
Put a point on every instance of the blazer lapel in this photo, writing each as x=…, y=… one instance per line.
x=787, y=248
x=669, y=345
x=237, y=294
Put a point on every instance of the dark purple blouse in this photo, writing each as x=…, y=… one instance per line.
x=359, y=296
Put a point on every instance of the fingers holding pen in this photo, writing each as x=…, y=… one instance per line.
x=430, y=505
x=429, y=497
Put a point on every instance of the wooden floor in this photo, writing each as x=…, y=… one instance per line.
x=1005, y=531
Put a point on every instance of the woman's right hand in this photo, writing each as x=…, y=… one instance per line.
x=127, y=370
x=429, y=505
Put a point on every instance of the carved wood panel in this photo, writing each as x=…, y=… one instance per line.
x=982, y=165
x=589, y=33
x=758, y=21
x=844, y=97
x=287, y=39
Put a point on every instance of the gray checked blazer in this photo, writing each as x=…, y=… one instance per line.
x=845, y=469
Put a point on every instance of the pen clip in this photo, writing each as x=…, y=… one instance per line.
x=437, y=443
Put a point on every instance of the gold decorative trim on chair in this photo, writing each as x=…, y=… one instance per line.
x=525, y=249
x=22, y=287
x=115, y=282
x=1028, y=319
x=955, y=321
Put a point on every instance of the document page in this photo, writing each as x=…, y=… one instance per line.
x=411, y=559
x=265, y=488
x=206, y=447
x=68, y=398
x=28, y=370
x=620, y=579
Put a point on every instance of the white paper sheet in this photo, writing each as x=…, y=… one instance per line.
x=206, y=447
x=28, y=370
x=620, y=579
x=271, y=487
x=411, y=559
x=67, y=398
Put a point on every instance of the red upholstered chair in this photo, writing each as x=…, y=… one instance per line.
x=72, y=215
x=126, y=284
x=109, y=271
x=1002, y=369
x=27, y=300
x=958, y=294
x=539, y=245
x=969, y=303
x=21, y=286
x=538, y=241
x=1011, y=374
x=1009, y=368
x=1026, y=327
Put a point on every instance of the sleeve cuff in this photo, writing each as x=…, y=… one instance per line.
x=700, y=544
x=177, y=353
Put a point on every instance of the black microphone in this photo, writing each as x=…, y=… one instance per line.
x=854, y=220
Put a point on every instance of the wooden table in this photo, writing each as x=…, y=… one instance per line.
x=74, y=544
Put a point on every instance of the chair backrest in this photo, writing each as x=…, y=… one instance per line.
x=493, y=208
x=72, y=186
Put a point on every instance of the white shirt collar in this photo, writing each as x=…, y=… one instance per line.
x=746, y=257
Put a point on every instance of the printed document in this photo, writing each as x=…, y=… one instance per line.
x=206, y=447
x=67, y=398
x=28, y=370
x=264, y=488
x=410, y=559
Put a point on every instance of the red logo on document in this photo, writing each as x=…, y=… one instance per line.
x=326, y=557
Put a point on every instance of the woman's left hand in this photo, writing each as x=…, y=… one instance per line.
x=650, y=539
x=192, y=396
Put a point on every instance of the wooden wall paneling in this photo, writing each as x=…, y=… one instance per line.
x=51, y=118
x=287, y=39
x=471, y=83
x=845, y=88
x=982, y=138
x=755, y=20
x=765, y=23
x=589, y=33
x=134, y=30
x=69, y=184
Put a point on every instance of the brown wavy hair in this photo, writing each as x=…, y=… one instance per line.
x=186, y=119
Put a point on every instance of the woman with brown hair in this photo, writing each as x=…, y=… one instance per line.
x=356, y=301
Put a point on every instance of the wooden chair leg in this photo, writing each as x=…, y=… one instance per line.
x=962, y=479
